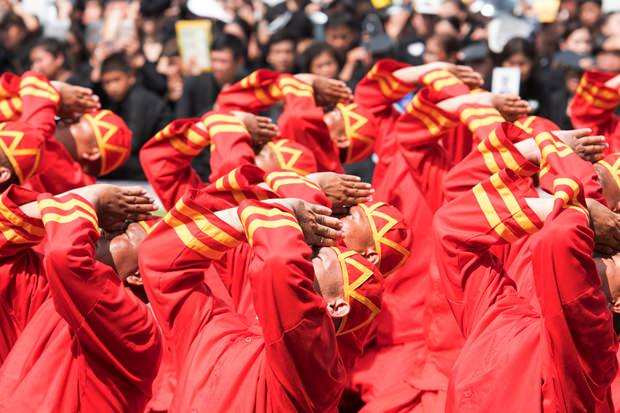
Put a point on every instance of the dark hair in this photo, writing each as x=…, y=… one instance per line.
x=54, y=47
x=225, y=41
x=448, y=44
x=341, y=20
x=279, y=37
x=515, y=46
x=116, y=62
x=11, y=19
x=314, y=51
x=453, y=21
x=571, y=27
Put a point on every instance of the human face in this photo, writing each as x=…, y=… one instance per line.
x=340, y=38
x=12, y=37
x=79, y=140
x=120, y=251
x=579, y=41
x=223, y=66
x=116, y=84
x=433, y=52
x=45, y=63
x=335, y=125
x=329, y=282
x=282, y=56
x=590, y=13
x=358, y=234
x=611, y=192
x=522, y=62
x=324, y=65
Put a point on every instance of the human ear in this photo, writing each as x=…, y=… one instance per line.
x=91, y=155
x=5, y=174
x=134, y=279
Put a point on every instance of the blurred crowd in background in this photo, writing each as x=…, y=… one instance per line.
x=128, y=51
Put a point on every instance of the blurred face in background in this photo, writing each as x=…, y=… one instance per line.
x=223, y=66
x=612, y=25
x=281, y=56
x=116, y=84
x=324, y=65
x=45, y=63
x=522, y=62
x=340, y=38
x=579, y=41
x=589, y=13
x=423, y=24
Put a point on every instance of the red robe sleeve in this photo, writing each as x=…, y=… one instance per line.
x=23, y=285
x=492, y=213
x=173, y=261
x=112, y=324
x=58, y=172
x=254, y=93
x=166, y=159
x=302, y=121
x=300, y=338
x=40, y=103
x=288, y=184
x=418, y=133
x=231, y=144
x=380, y=89
x=480, y=119
x=593, y=107
x=581, y=341
x=491, y=155
x=444, y=84
x=558, y=160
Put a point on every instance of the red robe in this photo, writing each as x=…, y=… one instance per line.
x=289, y=362
x=301, y=120
x=23, y=285
x=58, y=172
x=593, y=107
x=406, y=325
x=569, y=345
x=93, y=346
x=166, y=158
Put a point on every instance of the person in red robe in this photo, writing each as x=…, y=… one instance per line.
x=75, y=153
x=565, y=352
x=92, y=345
x=594, y=103
x=290, y=360
x=23, y=286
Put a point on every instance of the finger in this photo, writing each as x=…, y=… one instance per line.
x=328, y=233
x=329, y=222
x=356, y=200
x=358, y=193
x=350, y=177
x=580, y=133
x=320, y=209
x=592, y=140
x=595, y=158
x=358, y=185
x=133, y=190
x=592, y=149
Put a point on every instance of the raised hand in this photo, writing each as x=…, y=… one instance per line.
x=261, y=128
x=316, y=222
x=328, y=92
x=511, y=107
x=75, y=100
x=606, y=226
x=589, y=148
x=471, y=78
x=342, y=190
x=114, y=204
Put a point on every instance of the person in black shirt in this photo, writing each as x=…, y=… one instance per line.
x=49, y=57
x=227, y=64
x=144, y=112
